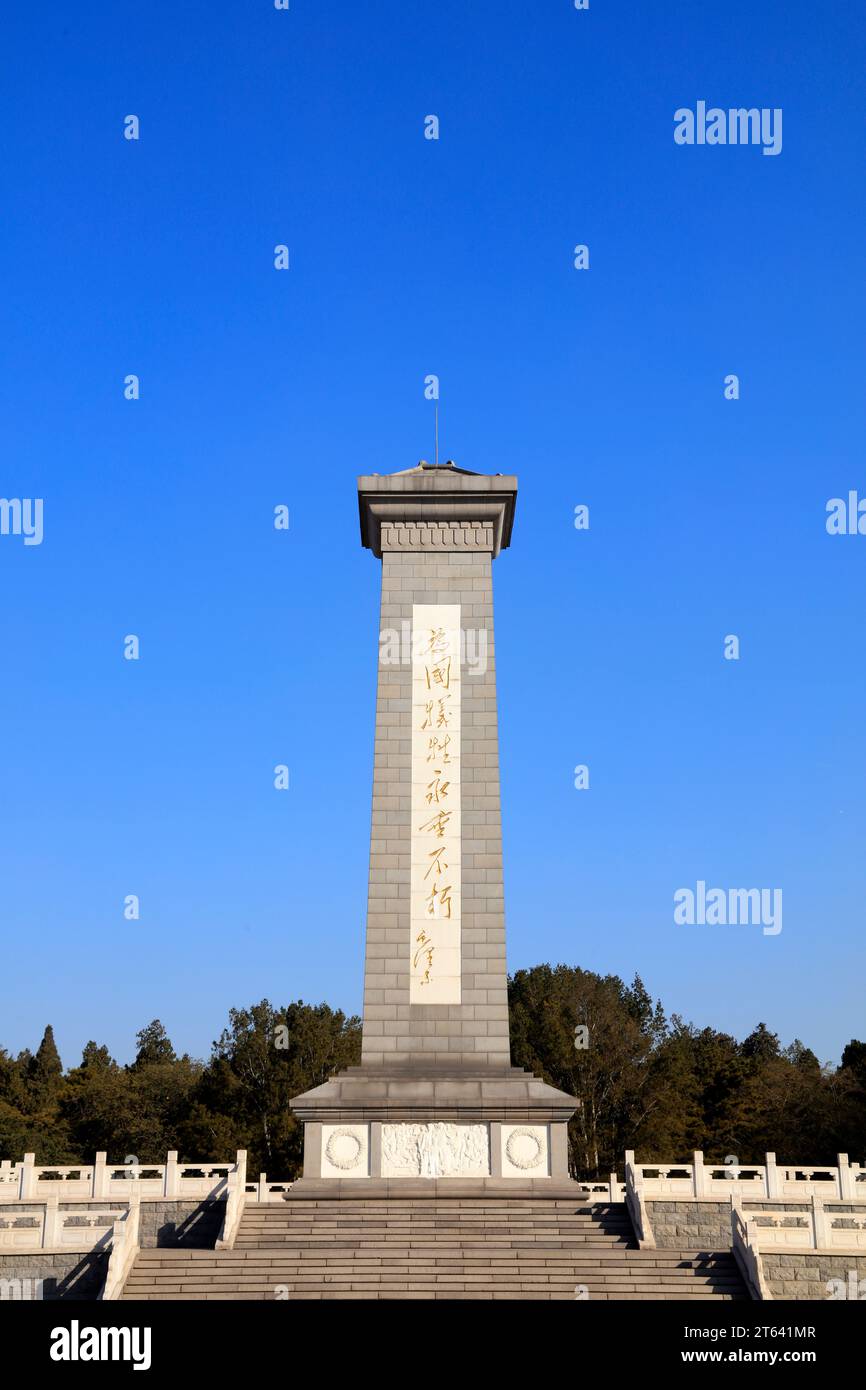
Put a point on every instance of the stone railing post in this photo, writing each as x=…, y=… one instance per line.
x=51, y=1223
x=820, y=1225
x=170, y=1180
x=846, y=1177
x=773, y=1185
x=99, y=1184
x=27, y=1181
x=612, y=1188
x=241, y=1165
x=6, y=1175
x=699, y=1177
x=263, y=1187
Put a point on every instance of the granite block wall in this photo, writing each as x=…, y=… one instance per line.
x=815, y=1276
x=705, y=1224
x=53, y=1276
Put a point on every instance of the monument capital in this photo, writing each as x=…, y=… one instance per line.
x=436, y=506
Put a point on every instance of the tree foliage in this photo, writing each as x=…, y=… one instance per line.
x=658, y=1085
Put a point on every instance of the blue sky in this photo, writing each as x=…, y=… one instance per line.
x=258, y=387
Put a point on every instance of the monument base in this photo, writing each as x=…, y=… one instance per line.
x=396, y=1125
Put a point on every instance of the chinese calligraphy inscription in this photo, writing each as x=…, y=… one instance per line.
x=435, y=961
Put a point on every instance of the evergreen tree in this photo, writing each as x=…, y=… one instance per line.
x=153, y=1046
x=46, y=1068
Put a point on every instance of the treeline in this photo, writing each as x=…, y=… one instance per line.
x=656, y=1085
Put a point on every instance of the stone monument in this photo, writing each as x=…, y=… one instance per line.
x=435, y=1103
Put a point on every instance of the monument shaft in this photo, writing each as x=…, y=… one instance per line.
x=435, y=974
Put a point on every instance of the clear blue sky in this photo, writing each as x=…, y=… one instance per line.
x=604, y=387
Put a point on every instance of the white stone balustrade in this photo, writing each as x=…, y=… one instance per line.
x=264, y=1191
x=604, y=1190
x=842, y=1181
x=103, y=1181
x=43, y=1225
x=816, y=1227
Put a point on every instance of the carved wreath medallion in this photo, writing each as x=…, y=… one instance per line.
x=513, y=1152
x=332, y=1154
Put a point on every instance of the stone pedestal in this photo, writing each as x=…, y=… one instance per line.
x=435, y=1098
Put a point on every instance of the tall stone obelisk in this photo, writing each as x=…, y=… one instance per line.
x=435, y=1096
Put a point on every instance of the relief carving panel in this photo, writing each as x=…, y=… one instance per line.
x=435, y=1151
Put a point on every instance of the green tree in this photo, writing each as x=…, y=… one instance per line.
x=609, y=1075
x=153, y=1046
x=46, y=1068
x=264, y=1058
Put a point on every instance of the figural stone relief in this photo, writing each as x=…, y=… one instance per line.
x=435, y=1150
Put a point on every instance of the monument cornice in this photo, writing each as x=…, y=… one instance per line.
x=434, y=494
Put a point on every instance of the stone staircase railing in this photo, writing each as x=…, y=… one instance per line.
x=235, y=1200
x=124, y=1248
x=747, y=1255
x=635, y=1202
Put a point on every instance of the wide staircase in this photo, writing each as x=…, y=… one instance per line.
x=438, y=1248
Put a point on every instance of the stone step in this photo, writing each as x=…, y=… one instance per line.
x=433, y=1249
x=433, y=1294
x=446, y=1233
x=578, y=1227
x=481, y=1254
x=286, y=1220
x=443, y=1277
x=435, y=1279
x=592, y=1258
x=551, y=1268
x=153, y=1277
x=270, y=1242
x=464, y=1218
x=495, y=1205
x=415, y=1203
x=433, y=1288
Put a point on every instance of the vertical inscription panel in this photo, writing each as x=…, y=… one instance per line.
x=435, y=894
